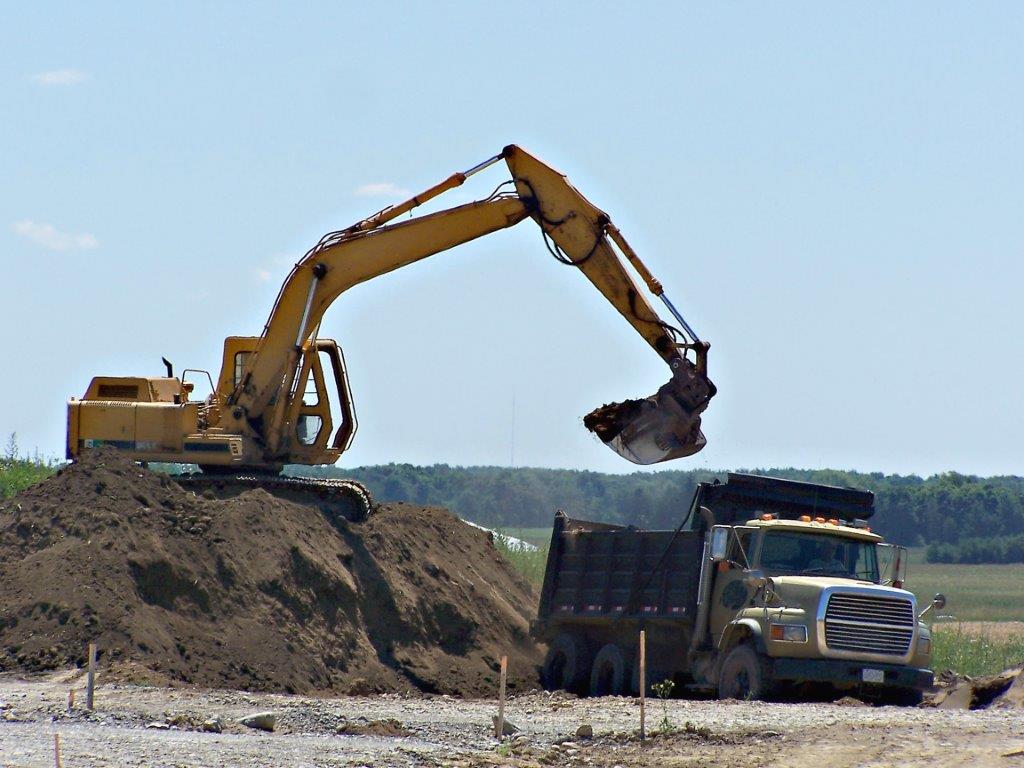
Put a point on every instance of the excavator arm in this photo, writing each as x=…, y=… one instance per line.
x=662, y=427
x=659, y=428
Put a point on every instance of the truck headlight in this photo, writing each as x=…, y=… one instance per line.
x=924, y=646
x=792, y=633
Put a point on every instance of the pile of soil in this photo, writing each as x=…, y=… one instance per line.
x=1002, y=691
x=254, y=592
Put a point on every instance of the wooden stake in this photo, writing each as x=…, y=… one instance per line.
x=643, y=683
x=91, y=680
x=499, y=726
x=56, y=750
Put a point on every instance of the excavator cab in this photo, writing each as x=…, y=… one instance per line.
x=310, y=409
x=310, y=436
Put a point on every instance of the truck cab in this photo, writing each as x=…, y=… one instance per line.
x=819, y=601
x=768, y=585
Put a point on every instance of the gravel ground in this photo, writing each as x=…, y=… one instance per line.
x=452, y=732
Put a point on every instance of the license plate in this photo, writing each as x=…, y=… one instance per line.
x=872, y=675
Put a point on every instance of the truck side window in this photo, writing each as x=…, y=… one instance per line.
x=739, y=547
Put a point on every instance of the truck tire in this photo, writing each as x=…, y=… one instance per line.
x=745, y=674
x=567, y=664
x=611, y=674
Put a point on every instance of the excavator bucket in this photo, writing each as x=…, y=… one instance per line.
x=662, y=427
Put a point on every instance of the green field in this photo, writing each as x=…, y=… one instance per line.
x=539, y=537
x=973, y=592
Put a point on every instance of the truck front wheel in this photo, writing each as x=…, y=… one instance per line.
x=745, y=674
x=567, y=664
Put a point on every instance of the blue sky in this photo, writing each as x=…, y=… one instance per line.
x=832, y=193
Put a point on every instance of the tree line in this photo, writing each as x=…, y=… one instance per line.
x=950, y=509
x=960, y=518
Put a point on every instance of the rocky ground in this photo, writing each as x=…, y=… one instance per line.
x=159, y=726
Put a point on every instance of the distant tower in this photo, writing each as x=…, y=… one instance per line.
x=512, y=437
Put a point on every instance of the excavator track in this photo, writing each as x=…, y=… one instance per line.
x=337, y=499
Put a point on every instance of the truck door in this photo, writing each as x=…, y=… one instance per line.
x=729, y=594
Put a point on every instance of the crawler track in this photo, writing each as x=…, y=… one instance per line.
x=337, y=499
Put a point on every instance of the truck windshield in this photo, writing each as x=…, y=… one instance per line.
x=791, y=553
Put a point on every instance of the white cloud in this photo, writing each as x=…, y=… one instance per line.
x=380, y=188
x=61, y=77
x=263, y=275
x=50, y=237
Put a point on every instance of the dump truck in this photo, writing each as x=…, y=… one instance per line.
x=768, y=587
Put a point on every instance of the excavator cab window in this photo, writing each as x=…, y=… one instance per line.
x=240, y=360
x=308, y=429
x=205, y=390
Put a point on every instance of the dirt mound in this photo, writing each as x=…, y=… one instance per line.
x=1002, y=691
x=253, y=592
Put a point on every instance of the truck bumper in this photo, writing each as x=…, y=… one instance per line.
x=843, y=673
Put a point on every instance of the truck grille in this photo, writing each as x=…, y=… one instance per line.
x=868, y=624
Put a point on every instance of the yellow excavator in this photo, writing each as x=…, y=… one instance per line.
x=271, y=405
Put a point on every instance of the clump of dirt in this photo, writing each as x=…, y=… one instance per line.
x=1001, y=691
x=253, y=592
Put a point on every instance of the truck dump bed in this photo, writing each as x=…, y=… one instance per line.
x=600, y=572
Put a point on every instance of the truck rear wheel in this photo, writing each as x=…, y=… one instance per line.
x=610, y=675
x=744, y=675
x=567, y=664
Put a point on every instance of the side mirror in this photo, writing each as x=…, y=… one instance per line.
x=719, y=543
x=938, y=603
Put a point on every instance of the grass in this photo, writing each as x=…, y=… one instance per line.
x=539, y=537
x=980, y=632
x=18, y=473
x=972, y=649
x=529, y=563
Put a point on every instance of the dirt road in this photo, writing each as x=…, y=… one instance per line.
x=452, y=732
